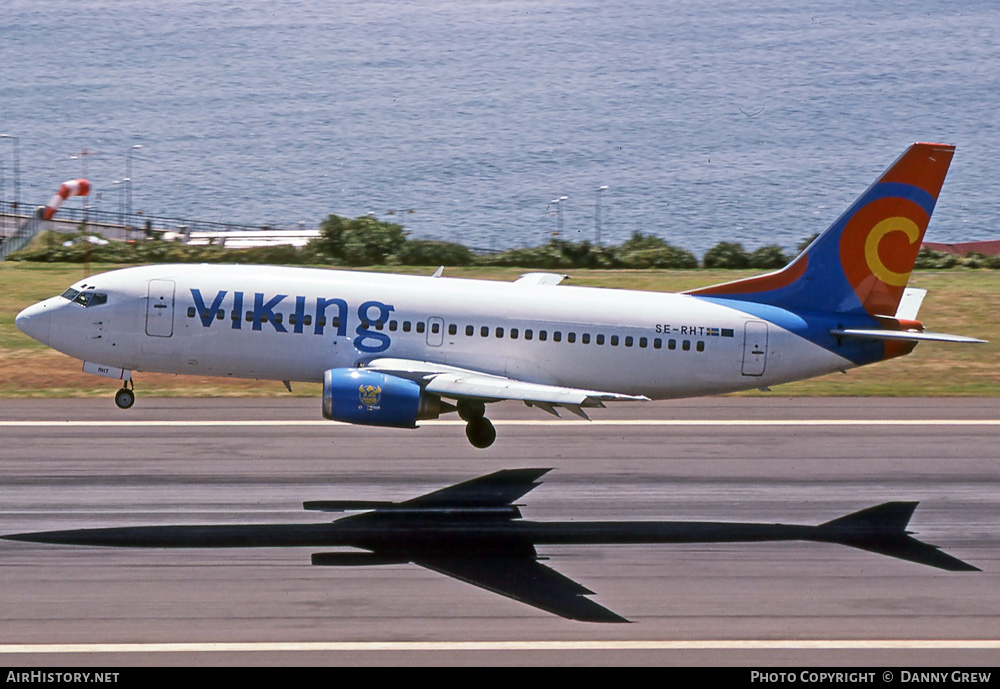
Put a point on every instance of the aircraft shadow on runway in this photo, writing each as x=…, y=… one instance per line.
x=473, y=531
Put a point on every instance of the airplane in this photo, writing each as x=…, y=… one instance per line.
x=392, y=350
x=472, y=531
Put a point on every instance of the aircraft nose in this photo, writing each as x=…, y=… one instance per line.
x=34, y=322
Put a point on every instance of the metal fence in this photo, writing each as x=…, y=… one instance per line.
x=136, y=221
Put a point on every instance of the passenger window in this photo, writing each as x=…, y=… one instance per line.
x=421, y=326
x=307, y=320
x=528, y=334
x=657, y=343
x=435, y=328
x=700, y=346
x=543, y=335
x=600, y=339
x=191, y=312
x=484, y=331
x=292, y=319
x=513, y=333
x=642, y=342
x=671, y=344
x=469, y=330
x=393, y=325
x=557, y=336
x=628, y=340
x=278, y=318
x=585, y=338
x=499, y=332
x=452, y=329
x=571, y=337
x=686, y=345
x=379, y=325
x=406, y=326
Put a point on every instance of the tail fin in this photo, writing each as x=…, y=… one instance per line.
x=882, y=529
x=862, y=262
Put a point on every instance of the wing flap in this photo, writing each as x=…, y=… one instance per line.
x=454, y=382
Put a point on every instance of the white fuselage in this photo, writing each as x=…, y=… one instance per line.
x=279, y=323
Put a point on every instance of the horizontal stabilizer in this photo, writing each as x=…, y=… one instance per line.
x=903, y=335
x=882, y=529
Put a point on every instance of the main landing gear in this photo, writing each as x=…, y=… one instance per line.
x=478, y=429
x=125, y=397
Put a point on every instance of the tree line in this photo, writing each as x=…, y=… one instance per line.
x=368, y=241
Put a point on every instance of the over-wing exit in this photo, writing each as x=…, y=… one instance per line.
x=391, y=350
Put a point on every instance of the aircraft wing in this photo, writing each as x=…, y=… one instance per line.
x=459, y=383
x=523, y=579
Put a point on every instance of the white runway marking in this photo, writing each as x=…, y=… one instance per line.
x=522, y=422
x=597, y=645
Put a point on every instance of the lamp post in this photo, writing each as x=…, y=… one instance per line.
x=559, y=217
x=597, y=214
x=128, y=184
x=117, y=184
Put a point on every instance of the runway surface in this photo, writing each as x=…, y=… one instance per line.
x=71, y=464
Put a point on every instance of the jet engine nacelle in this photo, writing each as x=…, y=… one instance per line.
x=376, y=399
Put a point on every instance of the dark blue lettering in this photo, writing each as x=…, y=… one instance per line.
x=207, y=315
x=260, y=310
x=321, y=306
x=300, y=314
x=237, y=310
x=364, y=333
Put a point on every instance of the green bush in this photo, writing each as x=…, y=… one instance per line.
x=420, y=252
x=768, y=257
x=936, y=260
x=726, y=255
x=667, y=257
x=364, y=241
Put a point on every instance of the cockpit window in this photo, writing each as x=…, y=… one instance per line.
x=85, y=298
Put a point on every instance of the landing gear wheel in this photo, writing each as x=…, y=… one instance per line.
x=124, y=398
x=480, y=432
x=469, y=410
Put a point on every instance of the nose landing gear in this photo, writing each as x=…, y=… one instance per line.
x=125, y=397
